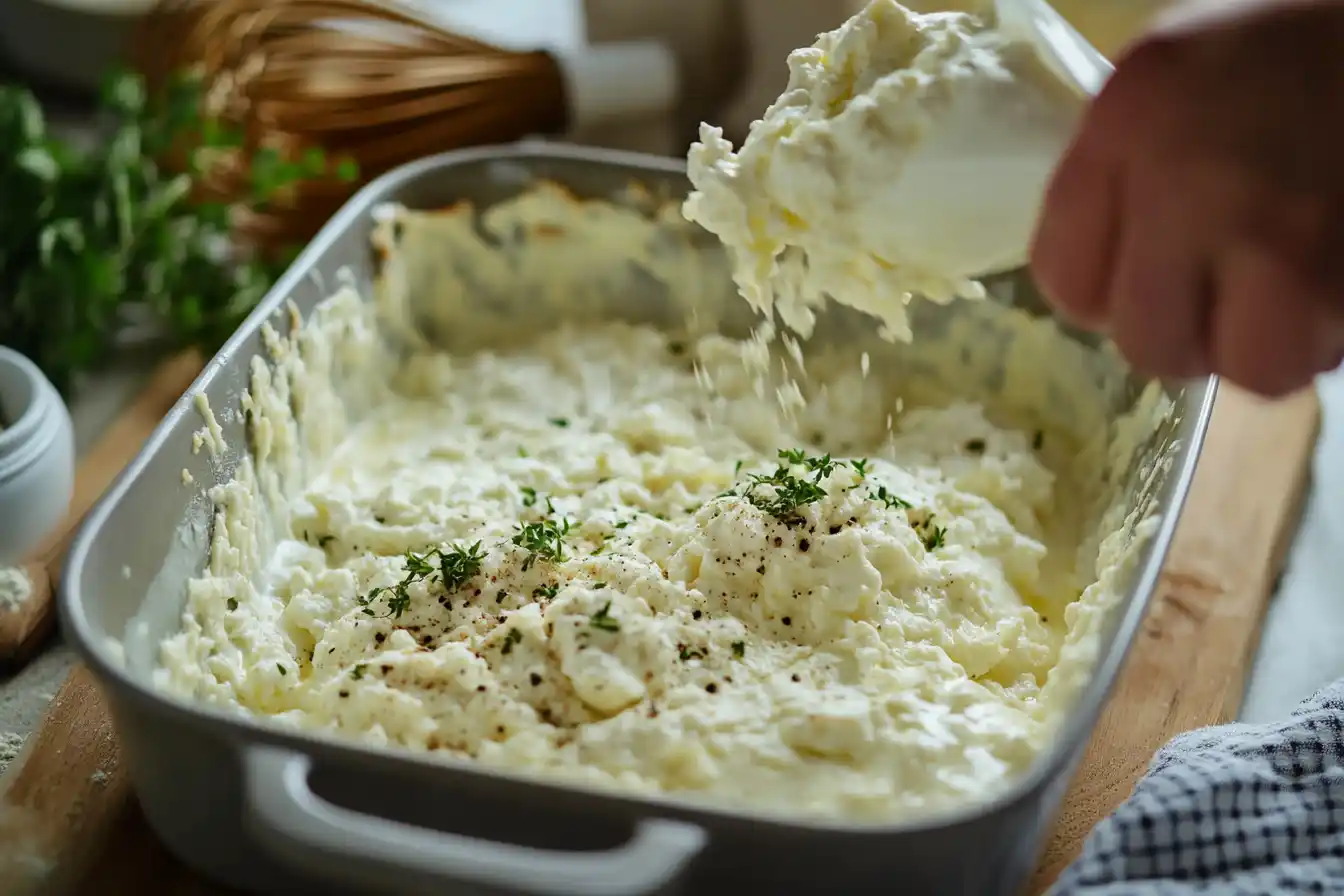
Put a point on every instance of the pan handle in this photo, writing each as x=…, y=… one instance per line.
x=307, y=832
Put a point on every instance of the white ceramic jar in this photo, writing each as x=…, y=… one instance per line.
x=37, y=457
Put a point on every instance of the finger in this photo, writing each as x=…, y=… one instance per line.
x=1191, y=15
x=1159, y=299
x=1076, y=241
x=1074, y=246
x=1270, y=334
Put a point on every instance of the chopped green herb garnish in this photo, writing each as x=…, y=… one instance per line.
x=819, y=466
x=560, y=422
x=546, y=591
x=603, y=619
x=621, y=524
x=529, y=495
x=976, y=446
x=281, y=667
x=324, y=540
x=454, y=568
x=1038, y=440
x=542, y=541
x=888, y=500
x=358, y=672
x=932, y=536
x=514, y=636
x=739, y=649
x=459, y=566
x=233, y=603
x=861, y=467
x=781, y=493
x=691, y=653
x=598, y=586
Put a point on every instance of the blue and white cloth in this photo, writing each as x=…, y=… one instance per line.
x=1232, y=810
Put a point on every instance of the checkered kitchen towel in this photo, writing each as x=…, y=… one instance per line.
x=1235, y=810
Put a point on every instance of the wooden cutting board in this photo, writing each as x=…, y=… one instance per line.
x=69, y=805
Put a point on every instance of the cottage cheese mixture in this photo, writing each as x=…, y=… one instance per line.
x=907, y=156
x=605, y=554
x=556, y=559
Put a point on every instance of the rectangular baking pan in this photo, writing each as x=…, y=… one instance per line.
x=272, y=810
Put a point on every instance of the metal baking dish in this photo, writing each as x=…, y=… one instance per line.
x=270, y=810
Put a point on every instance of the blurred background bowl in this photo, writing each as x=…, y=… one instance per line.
x=68, y=44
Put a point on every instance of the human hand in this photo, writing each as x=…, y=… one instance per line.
x=1198, y=217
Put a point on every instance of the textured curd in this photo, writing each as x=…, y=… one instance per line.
x=545, y=553
x=907, y=156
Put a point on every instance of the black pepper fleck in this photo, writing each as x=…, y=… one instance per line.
x=787, y=620
x=712, y=688
x=804, y=545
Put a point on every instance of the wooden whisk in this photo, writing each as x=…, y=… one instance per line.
x=379, y=84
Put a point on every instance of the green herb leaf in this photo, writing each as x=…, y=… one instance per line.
x=542, y=541
x=454, y=567
x=888, y=500
x=933, y=536
x=603, y=619
x=514, y=636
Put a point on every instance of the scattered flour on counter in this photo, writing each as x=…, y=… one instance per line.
x=15, y=588
x=10, y=746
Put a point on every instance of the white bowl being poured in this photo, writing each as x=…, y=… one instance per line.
x=967, y=198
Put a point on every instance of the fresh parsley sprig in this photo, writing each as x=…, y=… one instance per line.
x=96, y=240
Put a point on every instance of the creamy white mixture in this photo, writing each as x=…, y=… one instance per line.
x=876, y=650
x=907, y=156
x=549, y=556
